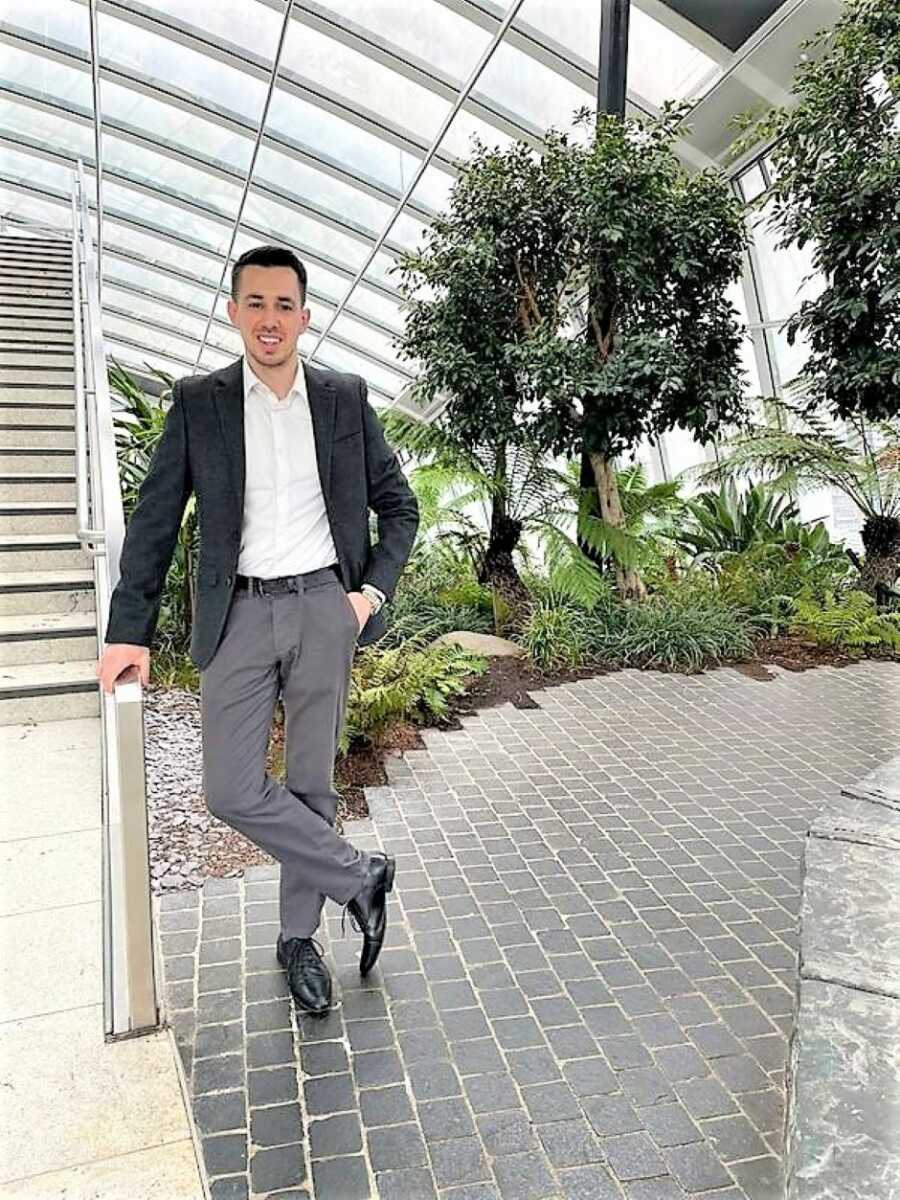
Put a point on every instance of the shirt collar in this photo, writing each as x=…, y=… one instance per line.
x=252, y=381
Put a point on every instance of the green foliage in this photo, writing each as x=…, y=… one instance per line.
x=556, y=635
x=849, y=622
x=140, y=420
x=727, y=522
x=836, y=172
x=495, y=296
x=803, y=450
x=437, y=593
x=682, y=630
x=766, y=580
x=410, y=682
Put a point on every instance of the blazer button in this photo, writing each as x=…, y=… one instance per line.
x=229, y=579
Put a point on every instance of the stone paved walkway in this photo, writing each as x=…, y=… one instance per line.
x=588, y=985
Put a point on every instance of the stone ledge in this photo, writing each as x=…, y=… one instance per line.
x=843, y=1118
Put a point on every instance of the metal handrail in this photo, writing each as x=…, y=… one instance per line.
x=131, y=1004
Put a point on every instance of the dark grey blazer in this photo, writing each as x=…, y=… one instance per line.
x=202, y=450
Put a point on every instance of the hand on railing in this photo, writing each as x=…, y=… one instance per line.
x=117, y=658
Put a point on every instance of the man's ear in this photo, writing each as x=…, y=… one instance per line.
x=231, y=309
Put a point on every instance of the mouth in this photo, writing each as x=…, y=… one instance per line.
x=268, y=341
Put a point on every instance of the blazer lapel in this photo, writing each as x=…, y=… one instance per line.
x=323, y=409
x=229, y=401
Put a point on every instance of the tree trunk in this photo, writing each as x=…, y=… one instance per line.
x=498, y=569
x=628, y=581
x=879, y=572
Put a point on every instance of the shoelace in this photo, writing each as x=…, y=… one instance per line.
x=353, y=922
x=304, y=949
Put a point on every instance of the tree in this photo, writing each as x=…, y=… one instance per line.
x=836, y=168
x=498, y=302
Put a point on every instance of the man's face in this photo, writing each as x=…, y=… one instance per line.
x=269, y=314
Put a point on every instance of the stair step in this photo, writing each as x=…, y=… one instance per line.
x=33, y=356
x=15, y=275
x=51, y=691
x=43, y=552
x=35, y=516
x=36, y=485
x=27, y=638
x=38, y=376
x=37, y=458
x=47, y=334
x=30, y=414
x=54, y=312
x=46, y=591
x=38, y=437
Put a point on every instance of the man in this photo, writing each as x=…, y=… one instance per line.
x=286, y=461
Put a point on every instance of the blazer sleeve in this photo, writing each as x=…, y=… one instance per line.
x=392, y=500
x=151, y=534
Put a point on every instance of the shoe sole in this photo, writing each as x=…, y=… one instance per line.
x=390, y=868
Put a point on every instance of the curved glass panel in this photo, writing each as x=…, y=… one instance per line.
x=30, y=70
x=36, y=124
x=62, y=22
x=254, y=26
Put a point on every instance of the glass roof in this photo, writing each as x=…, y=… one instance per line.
x=359, y=99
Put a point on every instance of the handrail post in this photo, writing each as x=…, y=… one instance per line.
x=131, y=1004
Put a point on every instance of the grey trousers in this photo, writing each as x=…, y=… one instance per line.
x=301, y=646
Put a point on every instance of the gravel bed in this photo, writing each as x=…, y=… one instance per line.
x=187, y=843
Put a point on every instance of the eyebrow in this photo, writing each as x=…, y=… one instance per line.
x=260, y=296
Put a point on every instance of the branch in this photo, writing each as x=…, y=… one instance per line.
x=529, y=294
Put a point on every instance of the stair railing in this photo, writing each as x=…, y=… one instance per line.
x=131, y=1005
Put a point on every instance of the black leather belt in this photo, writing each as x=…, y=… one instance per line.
x=286, y=583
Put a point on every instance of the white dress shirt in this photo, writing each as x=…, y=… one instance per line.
x=285, y=529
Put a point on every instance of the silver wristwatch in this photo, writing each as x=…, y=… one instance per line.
x=375, y=597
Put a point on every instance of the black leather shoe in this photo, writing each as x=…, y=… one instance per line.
x=308, y=977
x=368, y=908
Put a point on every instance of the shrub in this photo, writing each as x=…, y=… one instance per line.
x=729, y=522
x=410, y=682
x=556, y=635
x=437, y=594
x=767, y=580
x=851, y=622
x=683, y=629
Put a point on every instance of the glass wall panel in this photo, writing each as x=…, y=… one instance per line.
x=254, y=27
x=196, y=74
x=171, y=217
x=345, y=201
x=161, y=171
x=525, y=86
x=137, y=360
x=464, y=128
x=52, y=79
x=340, y=139
x=30, y=169
x=15, y=204
x=55, y=19
x=362, y=82
x=290, y=225
x=156, y=280
x=50, y=129
x=426, y=31
x=168, y=122
x=155, y=248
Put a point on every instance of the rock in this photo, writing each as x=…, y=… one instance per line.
x=482, y=643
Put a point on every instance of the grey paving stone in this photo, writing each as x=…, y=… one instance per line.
x=336, y=1135
x=232, y=1187
x=214, y=1007
x=734, y=1138
x=524, y=1177
x=612, y=1115
x=533, y=1066
x=477, y=1057
x=225, y=1153
x=218, y=1039
x=590, y=1183
x=570, y=1143
x=323, y=1058
x=221, y=1112
x=276, y=1125
x=329, y=1094
x=741, y=1073
x=219, y=977
x=645, y=1086
x=681, y=1062
x=276, y=1168
x=670, y=1125
x=760, y=1178
x=508, y=1132
x=550, y=1102
x=413, y=1183
x=376, y=1068
x=433, y=1080
x=385, y=1106
x=696, y=1167
x=218, y=1074
x=395, y=1147
x=460, y=1160
x=491, y=1093
x=270, y=1049
x=633, y=1156
x=705, y=1098
x=271, y=1086
x=664, y=1188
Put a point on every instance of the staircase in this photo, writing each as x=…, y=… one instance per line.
x=48, y=643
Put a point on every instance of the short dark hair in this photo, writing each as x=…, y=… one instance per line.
x=268, y=256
